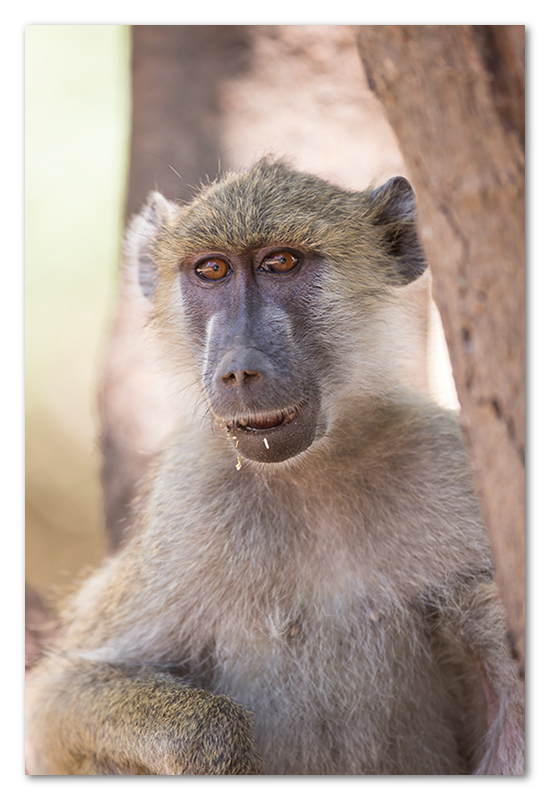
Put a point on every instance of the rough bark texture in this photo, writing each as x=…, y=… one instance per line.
x=454, y=95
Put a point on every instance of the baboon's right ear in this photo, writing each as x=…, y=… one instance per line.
x=156, y=212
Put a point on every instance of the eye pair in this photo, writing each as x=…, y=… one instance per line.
x=214, y=269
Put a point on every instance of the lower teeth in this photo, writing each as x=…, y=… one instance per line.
x=265, y=423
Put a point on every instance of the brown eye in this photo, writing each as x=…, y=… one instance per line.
x=212, y=269
x=279, y=262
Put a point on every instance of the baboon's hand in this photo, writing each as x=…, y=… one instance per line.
x=105, y=719
x=211, y=735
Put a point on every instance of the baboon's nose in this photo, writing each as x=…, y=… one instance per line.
x=242, y=368
x=240, y=377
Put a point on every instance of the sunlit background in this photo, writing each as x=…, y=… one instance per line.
x=77, y=105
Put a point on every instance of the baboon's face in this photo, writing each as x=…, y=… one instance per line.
x=260, y=370
x=263, y=266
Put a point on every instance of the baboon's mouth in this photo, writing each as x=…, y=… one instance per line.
x=265, y=422
x=271, y=436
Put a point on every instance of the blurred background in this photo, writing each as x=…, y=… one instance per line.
x=92, y=154
x=77, y=106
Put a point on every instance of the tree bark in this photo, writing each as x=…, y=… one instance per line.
x=454, y=96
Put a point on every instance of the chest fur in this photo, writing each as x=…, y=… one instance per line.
x=341, y=690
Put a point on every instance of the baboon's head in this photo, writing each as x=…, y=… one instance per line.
x=269, y=280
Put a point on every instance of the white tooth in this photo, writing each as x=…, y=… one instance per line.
x=266, y=444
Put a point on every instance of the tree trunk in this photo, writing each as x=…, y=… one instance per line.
x=454, y=96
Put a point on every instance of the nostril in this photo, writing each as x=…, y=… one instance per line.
x=250, y=375
x=240, y=377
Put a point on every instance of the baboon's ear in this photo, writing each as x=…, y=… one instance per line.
x=156, y=212
x=394, y=209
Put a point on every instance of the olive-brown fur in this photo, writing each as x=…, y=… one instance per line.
x=330, y=613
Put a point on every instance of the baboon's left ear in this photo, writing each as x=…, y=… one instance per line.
x=394, y=209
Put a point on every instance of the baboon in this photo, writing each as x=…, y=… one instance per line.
x=308, y=588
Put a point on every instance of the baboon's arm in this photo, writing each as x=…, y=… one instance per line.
x=115, y=719
x=477, y=621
